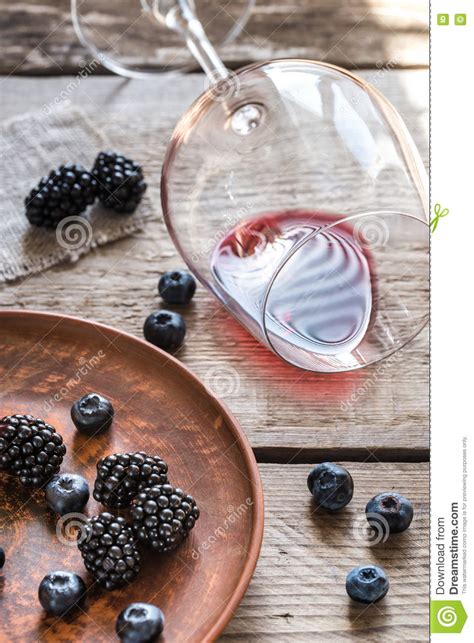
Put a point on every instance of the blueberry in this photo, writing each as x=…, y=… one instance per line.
x=367, y=584
x=2, y=558
x=165, y=329
x=140, y=623
x=67, y=493
x=60, y=591
x=389, y=511
x=177, y=287
x=331, y=485
x=92, y=414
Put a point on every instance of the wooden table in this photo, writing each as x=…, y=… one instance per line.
x=292, y=418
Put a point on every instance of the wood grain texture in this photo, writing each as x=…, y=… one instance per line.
x=46, y=363
x=38, y=37
x=380, y=412
x=298, y=590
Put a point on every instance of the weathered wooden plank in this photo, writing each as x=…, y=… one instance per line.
x=38, y=37
x=298, y=591
x=375, y=413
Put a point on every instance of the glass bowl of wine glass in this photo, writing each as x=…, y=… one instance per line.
x=294, y=192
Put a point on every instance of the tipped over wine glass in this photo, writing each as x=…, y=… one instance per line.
x=291, y=188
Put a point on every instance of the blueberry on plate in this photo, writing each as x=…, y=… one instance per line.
x=177, y=287
x=140, y=623
x=2, y=558
x=92, y=414
x=390, y=512
x=165, y=329
x=67, y=493
x=367, y=584
x=331, y=485
x=59, y=592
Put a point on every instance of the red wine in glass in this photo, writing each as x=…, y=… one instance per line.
x=322, y=296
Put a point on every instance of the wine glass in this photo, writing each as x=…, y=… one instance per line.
x=294, y=192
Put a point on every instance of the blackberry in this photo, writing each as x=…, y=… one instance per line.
x=163, y=516
x=121, y=183
x=121, y=476
x=66, y=192
x=30, y=448
x=8, y=432
x=108, y=548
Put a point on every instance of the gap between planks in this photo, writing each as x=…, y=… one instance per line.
x=294, y=455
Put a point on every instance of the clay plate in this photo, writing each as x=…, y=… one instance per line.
x=46, y=363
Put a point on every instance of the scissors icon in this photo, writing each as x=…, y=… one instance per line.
x=439, y=214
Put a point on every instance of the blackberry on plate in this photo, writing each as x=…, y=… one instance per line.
x=2, y=558
x=107, y=545
x=122, y=475
x=163, y=516
x=121, y=183
x=30, y=448
x=60, y=592
x=66, y=192
x=92, y=414
x=140, y=623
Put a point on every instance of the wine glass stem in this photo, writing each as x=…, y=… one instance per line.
x=180, y=16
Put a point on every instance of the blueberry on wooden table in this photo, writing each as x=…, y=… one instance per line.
x=389, y=511
x=367, y=584
x=177, y=287
x=165, y=329
x=331, y=485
